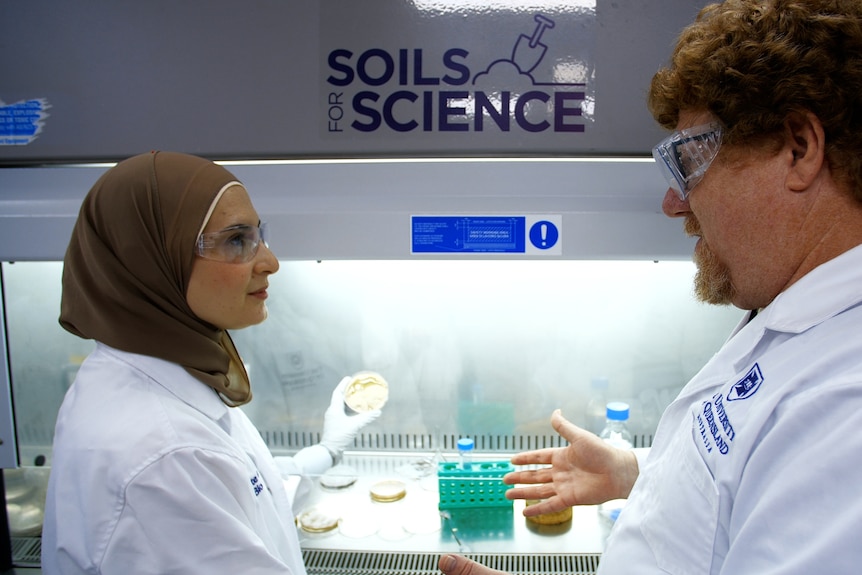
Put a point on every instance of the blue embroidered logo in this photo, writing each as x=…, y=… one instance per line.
x=257, y=485
x=747, y=386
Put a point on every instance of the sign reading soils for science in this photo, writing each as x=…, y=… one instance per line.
x=459, y=72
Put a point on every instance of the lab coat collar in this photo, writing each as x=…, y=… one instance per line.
x=176, y=380
x=824, y=292
x=821, y=294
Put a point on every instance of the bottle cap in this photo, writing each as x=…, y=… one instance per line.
x=465, y=444
x=618, y=411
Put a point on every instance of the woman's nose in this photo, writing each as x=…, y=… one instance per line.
x=267, y=262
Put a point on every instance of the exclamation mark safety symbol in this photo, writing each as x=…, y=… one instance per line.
x=544, y=235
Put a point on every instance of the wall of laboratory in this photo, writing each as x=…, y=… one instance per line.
x=98, y=81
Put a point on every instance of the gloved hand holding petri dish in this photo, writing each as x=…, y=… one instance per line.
x=367, y=391
x=342, y=420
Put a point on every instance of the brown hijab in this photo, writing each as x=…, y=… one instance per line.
x=128, y=265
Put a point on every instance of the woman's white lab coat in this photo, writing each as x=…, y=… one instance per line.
x=757, y=466
x=153, y=474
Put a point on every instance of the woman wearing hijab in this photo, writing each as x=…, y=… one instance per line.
x=154, y=470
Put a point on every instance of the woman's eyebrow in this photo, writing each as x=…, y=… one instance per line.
x=235, y=227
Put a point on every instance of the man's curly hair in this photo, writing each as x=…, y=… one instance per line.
x=754, y=63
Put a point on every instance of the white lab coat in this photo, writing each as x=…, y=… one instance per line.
x=153, y=474
x=756, y=467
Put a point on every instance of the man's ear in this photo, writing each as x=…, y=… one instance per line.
x=805, y=143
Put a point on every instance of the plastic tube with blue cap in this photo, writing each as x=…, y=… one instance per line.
x=465, y=453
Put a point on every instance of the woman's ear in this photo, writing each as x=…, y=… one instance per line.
x=806, y=143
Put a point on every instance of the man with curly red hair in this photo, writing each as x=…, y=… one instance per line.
x=754, y=466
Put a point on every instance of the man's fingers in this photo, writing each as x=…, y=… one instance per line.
x=552, y=505
x=565, y=428
x=457, y=565
x=529, y=477
x=542, y=491
x=541, y=456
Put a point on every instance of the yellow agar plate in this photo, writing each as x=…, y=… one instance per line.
x=368, y=391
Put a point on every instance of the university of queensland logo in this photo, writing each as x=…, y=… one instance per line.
x=747, y=386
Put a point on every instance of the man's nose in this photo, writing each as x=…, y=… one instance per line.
x=672, y=206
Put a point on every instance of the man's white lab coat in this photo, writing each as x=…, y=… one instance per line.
x=756, y=467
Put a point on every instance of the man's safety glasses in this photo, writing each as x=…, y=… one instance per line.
x=235, y=245
x=684, y=156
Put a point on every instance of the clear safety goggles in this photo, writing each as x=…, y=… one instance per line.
x=684, y=156
x=235, y=245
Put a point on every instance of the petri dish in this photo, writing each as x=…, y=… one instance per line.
x=316, y=520
x=357, y=526
x=366, y=392
x=424, y=516
x=555, y=518
x=340, y=476
x=388, y=491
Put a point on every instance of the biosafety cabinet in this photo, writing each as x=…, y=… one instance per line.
x=461, y=196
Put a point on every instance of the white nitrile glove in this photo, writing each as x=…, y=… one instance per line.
x=339, y=428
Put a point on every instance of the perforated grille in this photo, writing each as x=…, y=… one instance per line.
x=324, y=562
x=26, y=550
x=279, y=439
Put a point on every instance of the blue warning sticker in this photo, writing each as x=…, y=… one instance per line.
x=21, y=122
x=510, y=234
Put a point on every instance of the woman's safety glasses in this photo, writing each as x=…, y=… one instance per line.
x=235, y=245
x=684, y=156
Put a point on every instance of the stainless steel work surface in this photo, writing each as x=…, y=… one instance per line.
x=408, y=536
x=414, y=523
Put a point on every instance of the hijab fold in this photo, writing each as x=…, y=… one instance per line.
x=128, y=264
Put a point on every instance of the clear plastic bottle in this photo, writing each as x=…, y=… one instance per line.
x=597, y=405
x=616, y=433
x=616, y=430
x=465, y=453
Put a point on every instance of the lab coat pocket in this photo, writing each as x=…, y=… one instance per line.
x=680, y=514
